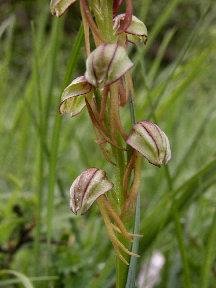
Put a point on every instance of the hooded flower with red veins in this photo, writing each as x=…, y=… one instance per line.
x=73, y=97
x=107, y=63
x=86, y=188
x=136, y=29
x=148, y=139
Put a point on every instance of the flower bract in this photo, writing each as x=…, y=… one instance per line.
x=148, y=139
x=87, y=187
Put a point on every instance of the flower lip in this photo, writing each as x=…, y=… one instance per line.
x=59, y=7
x=149, y=140
x=86, y=188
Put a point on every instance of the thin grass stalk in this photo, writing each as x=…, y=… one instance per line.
x=56, y=26
x=136, y=230
x=209, y=255
x=144, y=10
x=194, y=141
x=7, y=57
x=146, y=225
x=163, y=48
x=29, y=90
x=45, y=147
x=56, y=134
x=161, y=21
x=40, y=174
x=179, y=232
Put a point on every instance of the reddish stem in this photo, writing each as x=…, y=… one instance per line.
x=122, y=94
x=128, y=17
x=97, y=125
x=103, y=103
x=116, y=5
x=127, y=174
x=86, y=29
x=91, y=22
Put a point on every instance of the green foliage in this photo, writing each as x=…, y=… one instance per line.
x=174, y=84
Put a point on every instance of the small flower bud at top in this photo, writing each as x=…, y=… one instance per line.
x=136, y=29
x=148, y=139
x=58, y=7
x=87, y=187
x=108, y=62
x=73, y=97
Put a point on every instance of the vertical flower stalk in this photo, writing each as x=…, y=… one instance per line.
x=105, y=89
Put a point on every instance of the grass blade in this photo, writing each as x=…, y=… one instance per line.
x=56, y=132
x=156, y=64
x=194, y=141
x=209, y=254
x=23, y=279
x=135, y=245
x=41, y=152
x=180, y=58
x=57, y=24
x=153, y=221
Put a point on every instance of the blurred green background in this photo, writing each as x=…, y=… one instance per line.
x=175, y=84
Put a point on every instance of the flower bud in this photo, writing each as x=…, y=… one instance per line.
x=87, y=187
x=108, y=62
x=136, y=29
x=148, y=139
x=73, y=97
x=58, y=7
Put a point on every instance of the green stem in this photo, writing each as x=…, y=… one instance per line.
x=104, y=18
x=135, y=246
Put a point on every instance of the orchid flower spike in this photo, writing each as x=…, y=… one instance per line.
x=73, y=97
x=136, y=30
x=148, y=139
x=86, y=188
x=58, y=7
x=107, y=63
